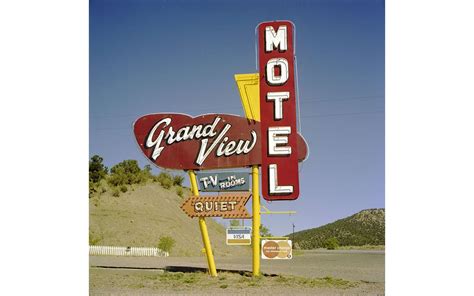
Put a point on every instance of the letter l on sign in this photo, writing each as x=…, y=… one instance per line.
x=280, y=180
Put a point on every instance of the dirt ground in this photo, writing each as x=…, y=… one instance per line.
x=317, y=272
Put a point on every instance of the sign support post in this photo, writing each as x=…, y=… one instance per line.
x=255, y=222
x=203, y=227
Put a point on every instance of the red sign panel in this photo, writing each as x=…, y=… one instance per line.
x=278, y=111
x=211, y=141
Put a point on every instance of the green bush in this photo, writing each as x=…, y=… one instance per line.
x=331, y=243
x=92, y=188
x=115, y=192
x=164, y=176
x=166, y=243
x=123, y=188
x=234, y=223
x=166, y=183
x=178, y=180
x=146, y=173
x=94, y=238
x=264, y=231
x=179, y=191
x=97, y=170
x=165, y=179
x=128, y=172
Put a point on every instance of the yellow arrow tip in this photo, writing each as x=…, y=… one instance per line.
x=249, y=89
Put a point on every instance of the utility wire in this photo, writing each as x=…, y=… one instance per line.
x=343, y=114
x=307, y=116
x=323, y=99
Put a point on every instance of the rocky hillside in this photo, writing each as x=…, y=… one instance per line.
x=364, y=228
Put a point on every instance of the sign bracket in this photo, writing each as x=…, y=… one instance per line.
x=276, y=237
x=267, y=211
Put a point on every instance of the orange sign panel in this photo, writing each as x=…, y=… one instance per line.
x=228, y=205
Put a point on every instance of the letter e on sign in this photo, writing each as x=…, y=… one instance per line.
x=280, y=180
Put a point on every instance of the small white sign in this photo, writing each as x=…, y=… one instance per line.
x=239, y=236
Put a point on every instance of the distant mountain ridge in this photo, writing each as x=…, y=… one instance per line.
x=364, y=228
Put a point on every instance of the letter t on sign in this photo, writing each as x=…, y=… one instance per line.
x=280, y=180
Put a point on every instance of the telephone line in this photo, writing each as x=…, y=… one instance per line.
x=227, y=105
x=306, y=116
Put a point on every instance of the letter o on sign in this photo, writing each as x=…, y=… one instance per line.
x=272, y=65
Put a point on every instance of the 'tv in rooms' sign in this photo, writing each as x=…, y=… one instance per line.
x=223, y=181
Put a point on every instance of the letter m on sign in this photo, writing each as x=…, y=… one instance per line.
x=280, y=180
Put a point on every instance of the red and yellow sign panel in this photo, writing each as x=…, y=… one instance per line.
x=280, y=179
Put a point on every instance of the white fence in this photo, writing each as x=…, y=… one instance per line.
x=127, y=251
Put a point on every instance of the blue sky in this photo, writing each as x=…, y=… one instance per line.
x=180, y=56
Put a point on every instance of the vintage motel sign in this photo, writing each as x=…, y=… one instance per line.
x=280, y=179
x=239, y=236
x=227, y=205
x=266, y=137
x=276, y=249
x=214, y=182
x=211, y=141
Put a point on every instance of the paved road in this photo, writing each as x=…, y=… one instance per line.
x=354, y=265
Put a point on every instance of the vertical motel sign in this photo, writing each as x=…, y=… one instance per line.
x=280, y=179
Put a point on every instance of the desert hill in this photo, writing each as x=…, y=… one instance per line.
x=139, y=216
x=364, y=228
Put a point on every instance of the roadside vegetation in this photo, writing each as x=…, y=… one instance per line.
x=132, y=205
x=166, y=243
x=229, y=282
x=124, y=175
x=264, y=231
x=331, y=243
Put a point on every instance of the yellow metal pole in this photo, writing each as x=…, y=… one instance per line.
x=202, y=225
x=255, y=222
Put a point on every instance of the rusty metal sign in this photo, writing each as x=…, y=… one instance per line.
x=228, y=205
x=211, y=141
